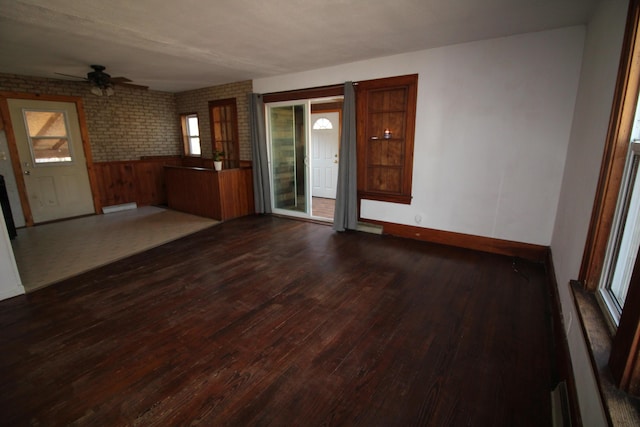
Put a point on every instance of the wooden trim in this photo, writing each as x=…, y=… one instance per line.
x=13, y=148
x=615, y=153
x=537, y=253
x=564, y=366
x=86, y=145
x=217, y=145
x=624, y=361
x=363, y=114
x=327, y=107
x=311, y=93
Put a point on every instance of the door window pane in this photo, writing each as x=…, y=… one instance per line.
x=223, y=116
x=48, y=136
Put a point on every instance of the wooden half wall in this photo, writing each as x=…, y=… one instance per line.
x=140, y=181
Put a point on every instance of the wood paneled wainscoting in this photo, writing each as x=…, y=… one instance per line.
x=140, y=181
x=219, y=195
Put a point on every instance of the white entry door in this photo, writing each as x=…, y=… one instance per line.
x=325, y=141
x=51, y=154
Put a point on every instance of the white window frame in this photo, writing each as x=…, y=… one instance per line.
x=627, y=199
x=31, y=139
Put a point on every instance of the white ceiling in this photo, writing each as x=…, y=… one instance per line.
x=177, y=45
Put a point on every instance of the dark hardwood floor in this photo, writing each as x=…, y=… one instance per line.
x=269, y=321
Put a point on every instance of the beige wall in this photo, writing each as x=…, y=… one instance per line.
x=197, y=101
x=125, y=126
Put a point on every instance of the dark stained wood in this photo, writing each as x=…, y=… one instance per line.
x=197, y=162
x=385, y=164
x=269, y=321
x=141, y=181
x=236, y=193
x=310, y=93
x=537, y=253
x=222, y=195
x=193, y=190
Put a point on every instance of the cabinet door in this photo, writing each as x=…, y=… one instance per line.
x=385, y=132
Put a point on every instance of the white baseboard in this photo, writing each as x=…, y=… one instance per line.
x=118, y=208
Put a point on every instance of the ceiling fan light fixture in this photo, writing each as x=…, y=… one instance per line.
x=96, y=91
x=108, y=91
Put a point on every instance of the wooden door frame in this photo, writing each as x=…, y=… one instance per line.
x=13, y=147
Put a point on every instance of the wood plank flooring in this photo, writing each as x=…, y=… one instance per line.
x=269, y=321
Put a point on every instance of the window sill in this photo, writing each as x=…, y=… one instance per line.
x=621, y=409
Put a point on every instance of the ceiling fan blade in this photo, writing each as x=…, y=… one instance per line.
x=131, y=85
x=120, y=80
x=69, y=75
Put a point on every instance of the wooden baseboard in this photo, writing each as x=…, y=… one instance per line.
x=537, y=253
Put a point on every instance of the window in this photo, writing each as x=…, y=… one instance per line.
x=48, y=136
x=224, y=130
x=191, y=134
x=386, y=111
x=322, y=124
x=624, y=241
x=607, y=240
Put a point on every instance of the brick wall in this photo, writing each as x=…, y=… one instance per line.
x=125, y=126
x=197, y=101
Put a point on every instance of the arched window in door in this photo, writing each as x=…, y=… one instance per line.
x=322, y=123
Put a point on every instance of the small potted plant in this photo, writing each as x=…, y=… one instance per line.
x=217, y=159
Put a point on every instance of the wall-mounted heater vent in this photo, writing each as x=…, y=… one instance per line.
x=118, y=208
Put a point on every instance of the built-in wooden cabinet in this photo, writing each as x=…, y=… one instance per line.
x=386, y=114
x=220, y=195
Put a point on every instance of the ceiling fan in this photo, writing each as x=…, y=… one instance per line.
x=102, y=83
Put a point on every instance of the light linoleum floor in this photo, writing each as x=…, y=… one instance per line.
x=48, y=253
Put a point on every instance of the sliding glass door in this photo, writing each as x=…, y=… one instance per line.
x=303, y=139
x=288, y=136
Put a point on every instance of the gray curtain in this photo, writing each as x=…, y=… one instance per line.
x=346, y=213
x=261, y=188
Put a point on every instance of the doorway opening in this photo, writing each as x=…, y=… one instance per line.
x=304, y=141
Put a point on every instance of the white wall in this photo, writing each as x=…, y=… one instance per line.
x=10, y=283
x=492, y=129
x=584, y=156
x=6, y=170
